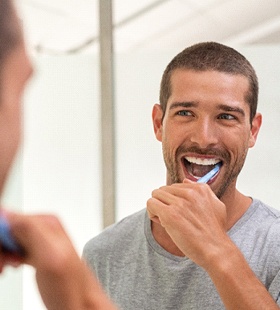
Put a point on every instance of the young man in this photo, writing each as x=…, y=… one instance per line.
x=197, y=246
x=64, y=281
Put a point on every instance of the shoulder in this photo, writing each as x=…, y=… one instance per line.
x=269, y=226
x=257, y=234
x=264, y=214
x=117, y=235
x=258, y=231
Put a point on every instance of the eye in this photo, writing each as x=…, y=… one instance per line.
x=184, y=113
x=227, y=116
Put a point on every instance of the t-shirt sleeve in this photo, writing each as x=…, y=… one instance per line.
x=274, y=288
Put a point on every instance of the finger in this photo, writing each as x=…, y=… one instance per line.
x=155, y=209
x=187, y=181
x=175, y=195
x=166, y=196
x=34, y=233
x=175, y=185
x=7, y=258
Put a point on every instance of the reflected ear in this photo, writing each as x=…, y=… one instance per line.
x=255, y=128
x=157, y=121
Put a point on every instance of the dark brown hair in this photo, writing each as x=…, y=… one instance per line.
x=211, y=56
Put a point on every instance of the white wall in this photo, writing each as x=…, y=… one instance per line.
x=61, y=159
x=61, y=150
x=260, y=176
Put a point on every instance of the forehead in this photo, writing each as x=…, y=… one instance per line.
x=208, y=86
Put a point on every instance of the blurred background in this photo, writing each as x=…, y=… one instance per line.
x=61, y=165
x=58, y=26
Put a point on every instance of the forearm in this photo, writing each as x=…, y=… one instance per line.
x=237, y=284
x=72, y=289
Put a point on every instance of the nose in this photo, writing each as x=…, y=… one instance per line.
x=204, y=134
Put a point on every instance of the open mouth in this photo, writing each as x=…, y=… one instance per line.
x=198, y=167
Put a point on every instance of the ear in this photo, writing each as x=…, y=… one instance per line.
x=157, y=121
x=255, y=128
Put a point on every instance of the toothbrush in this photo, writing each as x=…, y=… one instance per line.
x=208, y=176
x=7, y=242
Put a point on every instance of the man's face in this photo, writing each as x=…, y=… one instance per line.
x=207, y=121
x=14, y=75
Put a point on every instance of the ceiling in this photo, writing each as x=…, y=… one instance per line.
x=71, y=26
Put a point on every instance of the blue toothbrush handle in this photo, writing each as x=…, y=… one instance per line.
x=7, y=242
x=210, y=174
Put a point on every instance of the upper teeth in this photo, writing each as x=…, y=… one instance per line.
x=202, y=161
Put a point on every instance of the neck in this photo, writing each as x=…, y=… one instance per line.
x=164, y=240
x=236, y=205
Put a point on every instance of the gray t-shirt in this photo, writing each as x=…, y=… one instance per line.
x=138, y=273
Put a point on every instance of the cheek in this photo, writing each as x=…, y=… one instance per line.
x=175, y=131
x=10, y=128
x=240, y=152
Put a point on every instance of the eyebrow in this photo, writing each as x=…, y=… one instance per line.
x=229, y=108
x=223, y=107
x=184, y=104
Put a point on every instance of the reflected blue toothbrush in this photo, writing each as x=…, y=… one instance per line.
x=7, y=242
x=208, y=176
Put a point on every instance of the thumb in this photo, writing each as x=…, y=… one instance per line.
x=187, y=181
